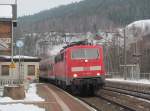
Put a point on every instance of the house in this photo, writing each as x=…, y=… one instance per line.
x=22, y=68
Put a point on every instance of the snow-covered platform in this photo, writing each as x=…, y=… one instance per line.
x=136, y=85
x=44, y=97
x=8, y=104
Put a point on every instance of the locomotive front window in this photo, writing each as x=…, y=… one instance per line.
x=85, y=53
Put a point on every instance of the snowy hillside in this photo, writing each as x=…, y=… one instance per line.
x=141, y=27
x=137, y=30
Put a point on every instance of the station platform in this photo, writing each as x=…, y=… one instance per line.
x=52, y=99
x=135, y=85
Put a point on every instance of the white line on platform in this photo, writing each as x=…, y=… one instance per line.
x=78, y=100
x=63, y=106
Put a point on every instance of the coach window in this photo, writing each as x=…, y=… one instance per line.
x=59, y=58
x=62, y=57
x=56, y=59
x=5, y=70
x=31, y=69
x=50, y=67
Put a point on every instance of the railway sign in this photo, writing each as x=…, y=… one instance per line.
x=19, y=44
x=12, y=65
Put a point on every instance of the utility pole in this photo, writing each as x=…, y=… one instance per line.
x=13, y=24
x=125, y=55
x=12, y=42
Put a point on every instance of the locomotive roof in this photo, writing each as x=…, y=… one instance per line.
x=79, y=43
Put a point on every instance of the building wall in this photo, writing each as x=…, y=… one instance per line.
x=14, y=73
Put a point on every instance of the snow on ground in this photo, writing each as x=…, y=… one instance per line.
x=30, y=96
x=142, y=81
x=18, y=107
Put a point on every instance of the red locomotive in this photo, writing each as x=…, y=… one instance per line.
x=79, y=66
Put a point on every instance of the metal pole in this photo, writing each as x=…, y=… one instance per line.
x=125, y=62
x=15, y=1
x=107, y=53
x=12, y=49
x=19, y=64
x=12, y=42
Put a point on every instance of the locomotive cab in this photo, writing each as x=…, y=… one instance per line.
x=85, y=68
x=80, y=67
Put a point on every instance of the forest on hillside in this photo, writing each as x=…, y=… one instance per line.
x=87, y=15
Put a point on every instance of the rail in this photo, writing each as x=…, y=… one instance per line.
x=135, y=100
x=139, y=94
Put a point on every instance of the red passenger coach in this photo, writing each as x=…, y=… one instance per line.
x=80, y=66
x=46, y=70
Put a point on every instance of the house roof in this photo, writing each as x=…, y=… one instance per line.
x=16, y=58
x=5, y=19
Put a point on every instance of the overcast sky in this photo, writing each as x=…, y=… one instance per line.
x=26, y=7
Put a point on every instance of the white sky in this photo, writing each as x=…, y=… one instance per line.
x=27, y=7
x=6, y=11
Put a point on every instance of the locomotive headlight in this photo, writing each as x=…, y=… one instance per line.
x=75, y=75
x=98, y=74
x=86, y=60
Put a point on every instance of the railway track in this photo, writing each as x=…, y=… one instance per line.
x=117, y=99
x=139, y=94
x=134, y=87
x=100, y=103
x=103, y=104
x=133, y=101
